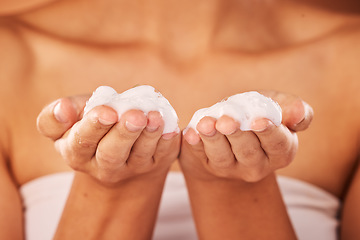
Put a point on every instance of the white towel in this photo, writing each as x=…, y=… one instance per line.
x=312, y=210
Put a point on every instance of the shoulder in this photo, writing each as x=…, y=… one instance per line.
x=14, y=7
x=15, y=60
x=15, y=57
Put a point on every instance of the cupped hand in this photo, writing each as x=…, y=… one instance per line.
x=222, y=150
x=111, y=150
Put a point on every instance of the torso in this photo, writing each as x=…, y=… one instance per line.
x=314, y=71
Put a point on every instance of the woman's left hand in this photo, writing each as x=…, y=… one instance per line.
x=222, y=150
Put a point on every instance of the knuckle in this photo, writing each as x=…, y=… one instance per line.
x=222, y=162
x=281, y=145
x=81, y=142
x=252, y=159
x=142, y=165
x=108, y=160
x=249, y=152
x=72, y=156
x=126, y=136
x=139, y=154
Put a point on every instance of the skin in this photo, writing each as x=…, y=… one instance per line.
x=313, y=55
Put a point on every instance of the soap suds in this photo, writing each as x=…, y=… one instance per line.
x=244, y=108
x=143, y=98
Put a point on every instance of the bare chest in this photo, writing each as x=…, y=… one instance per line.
x=188, y=86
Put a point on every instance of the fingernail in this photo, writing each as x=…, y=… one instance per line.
x=307, y=110
x=151, y=128
x=58, y=114
x=209, y=134
x=106, y=122
x=168, y=136
x=229, y=132
x=133, y=128
x=260, y=125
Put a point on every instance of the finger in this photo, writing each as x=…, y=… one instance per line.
x=278, y=143
x=168, y=148
x=304, y=123
x=58, y=117
x=216, y=145
x=194, y=149
x=191, y=136
x=245, y=145
x=80, y=143
x=114, y=149
x=297, y=114
x=227, y=125
x=253, y=164
x=144, y=148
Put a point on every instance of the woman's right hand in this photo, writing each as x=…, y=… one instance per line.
x=109, y=149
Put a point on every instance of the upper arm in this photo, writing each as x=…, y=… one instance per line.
x=351, y=209
x=350, y=217
x=11, y=217
x=14, y=60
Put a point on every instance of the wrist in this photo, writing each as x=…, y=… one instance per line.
x=213, y=182
x=103, y=212
x=140, y=183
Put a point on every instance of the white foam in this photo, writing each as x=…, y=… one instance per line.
x=143, y=98
x=244, y=108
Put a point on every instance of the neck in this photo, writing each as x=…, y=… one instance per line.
x=185, y=26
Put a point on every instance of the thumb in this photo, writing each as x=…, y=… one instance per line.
x=59, y=116
x=297, y=114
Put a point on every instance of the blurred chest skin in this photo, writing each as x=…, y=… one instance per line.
x=190, y=78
